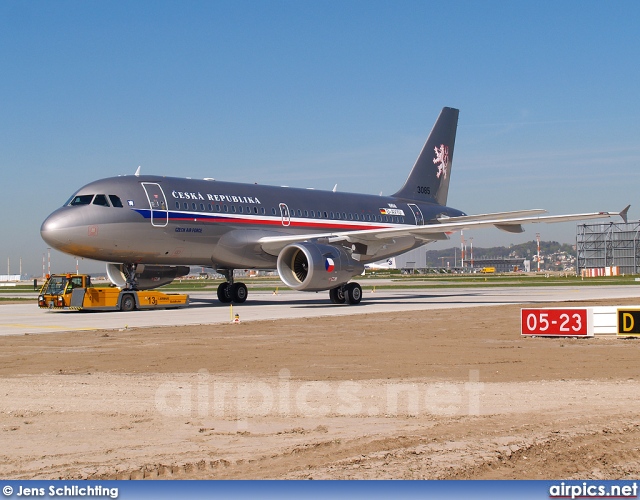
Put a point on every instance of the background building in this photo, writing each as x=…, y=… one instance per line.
x=608, y=245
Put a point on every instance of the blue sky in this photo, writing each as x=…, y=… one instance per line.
x=311, y=94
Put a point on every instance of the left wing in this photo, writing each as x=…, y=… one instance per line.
x=373, y=239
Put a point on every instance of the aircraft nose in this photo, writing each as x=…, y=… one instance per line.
x=56, y=229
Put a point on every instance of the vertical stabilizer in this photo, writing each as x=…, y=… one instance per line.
x=429, y=177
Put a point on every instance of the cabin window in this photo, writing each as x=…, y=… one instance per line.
x=306, y=213
x=356, y=216
x=249, y=210
x=350, y=216
x=186, y=205
x=255, y=210
x=101, y=200
x=273, y=211
x=217, y=208
x=344, y=216
x=263, y=211
x=299, y=213
x=233, y=208
x=210, y=207
x=313, y=214
x=325, y=215
x=226, y=208
x=177, y=205
x=193, y=206
x=331, y=213
x=115, y=201
x=368, y=218
x=84, y=199
x=240, y=209
x=202, y=207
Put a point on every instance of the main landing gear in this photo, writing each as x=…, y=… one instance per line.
x=350, y=293
x=230, y=291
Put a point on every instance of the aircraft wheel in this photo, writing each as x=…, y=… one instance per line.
x=224, y=293
x=128, y=303
x=239, y=292
x=337, y=295
x=353, y=293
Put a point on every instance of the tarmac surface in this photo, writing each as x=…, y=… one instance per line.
x=18, y=319
x=411, y=384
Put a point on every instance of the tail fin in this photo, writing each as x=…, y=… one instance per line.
x=429, y=177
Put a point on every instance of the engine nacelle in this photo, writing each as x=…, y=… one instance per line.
x=313, y=267
x=147, y=277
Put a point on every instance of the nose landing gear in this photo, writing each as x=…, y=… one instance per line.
x=129, y=271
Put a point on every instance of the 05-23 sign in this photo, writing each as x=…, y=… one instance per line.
x=554, y=322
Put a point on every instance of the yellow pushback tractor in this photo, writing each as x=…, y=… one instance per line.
x=75, y=291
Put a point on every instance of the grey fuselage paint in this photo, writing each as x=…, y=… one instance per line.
x=177, y=221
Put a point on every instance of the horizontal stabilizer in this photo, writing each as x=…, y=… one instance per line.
x=494, y=216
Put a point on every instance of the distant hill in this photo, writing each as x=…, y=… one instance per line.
x=523, y=250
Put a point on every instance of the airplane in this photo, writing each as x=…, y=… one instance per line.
x=149, y=229
x=383, y=264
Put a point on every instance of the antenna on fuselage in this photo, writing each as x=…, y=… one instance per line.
x=137, y=174
x=335, y=188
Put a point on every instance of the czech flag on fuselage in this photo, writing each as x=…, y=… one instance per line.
x=329, y=265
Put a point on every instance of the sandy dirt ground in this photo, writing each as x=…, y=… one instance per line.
x=420, y=395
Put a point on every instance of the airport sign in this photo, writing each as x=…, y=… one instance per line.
x=556, y=322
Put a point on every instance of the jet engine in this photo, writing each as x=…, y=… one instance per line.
x=312, y=267
x=147, y=277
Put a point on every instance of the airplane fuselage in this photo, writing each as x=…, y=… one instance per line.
x=175, y=221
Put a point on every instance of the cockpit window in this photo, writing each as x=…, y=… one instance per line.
x=101, y=200
x=115, y=201
x=84, y=199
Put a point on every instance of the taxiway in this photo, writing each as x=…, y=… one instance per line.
x=19, y=319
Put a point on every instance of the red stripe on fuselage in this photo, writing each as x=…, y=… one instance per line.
x=215, y=219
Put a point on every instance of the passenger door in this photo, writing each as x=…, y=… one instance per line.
x=157, y=204
x=417, y=213
x=284, y=213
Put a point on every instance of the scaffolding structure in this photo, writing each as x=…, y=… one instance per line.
x=611, y=244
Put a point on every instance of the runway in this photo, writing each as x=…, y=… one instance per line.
x=19, y=319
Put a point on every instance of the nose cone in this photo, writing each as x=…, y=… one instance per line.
x=57, y=229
